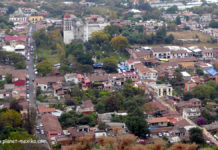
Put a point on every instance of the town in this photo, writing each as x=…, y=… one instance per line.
x=106, y=74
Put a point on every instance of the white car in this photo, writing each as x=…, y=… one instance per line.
x=42, y=131
x=36, y=72
x=27, y=96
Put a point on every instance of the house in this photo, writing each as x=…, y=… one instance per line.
x=35, y=19
x=195, y=103
x=42, y=109
x=161, y=53
x=5, y=94
x=16, y=74
x=51, y=126
x=145, y=73
x=204, y=66
x=207, y=54
x=71, y=78
x=213, y=127
x=186, y=76
x=160, y=122
x=162, y=89
x=130, y=64
x=185, y=62
x=46, y=82
x=191, y=113
x=213, y=105
x=105, y=117
x=86, y=107
x=155, y=108
x=195, y=80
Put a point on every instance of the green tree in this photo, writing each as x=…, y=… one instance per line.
x=119, y=42
x=110, y=64
x=99, y=37
x=160, y=35
x=44, y=68
x=200, y=71
x=15, y=105
x=137, y=125
x=196, y=136
x=213, y=24
x=172, y=10
x=29, y=120
x=169, y=39
x=9, y=78
x=171, y=26
x=112, y=30
x=102, y=126
x=10, y=118
x=178, y=20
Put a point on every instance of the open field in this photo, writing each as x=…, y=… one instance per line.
x=190, y=35
x=47, y=54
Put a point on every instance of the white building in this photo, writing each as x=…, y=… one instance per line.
x=71, y=78
x=75, y=29
x=191, y=113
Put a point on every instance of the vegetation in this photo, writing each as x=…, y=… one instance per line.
x=14, y=59
x=44, y=68
x=72, y=119
x=196, y=136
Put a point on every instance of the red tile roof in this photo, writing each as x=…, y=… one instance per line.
x=46, y=110
x=19, y=83
x=10, y=38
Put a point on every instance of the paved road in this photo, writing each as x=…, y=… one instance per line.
x=30, y=75
x=30, y=67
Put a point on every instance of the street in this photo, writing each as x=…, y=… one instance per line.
x=30, y=78
x=30, y=68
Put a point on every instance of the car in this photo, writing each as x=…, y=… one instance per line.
x=216, y=137
x=41, y=125
x=42, y=131
x=37, y=128
x=27, y=100
x=36, y=72
x=160, y=135
x=27, y=91
x=28, y=95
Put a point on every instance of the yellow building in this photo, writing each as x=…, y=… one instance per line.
x=35, y=19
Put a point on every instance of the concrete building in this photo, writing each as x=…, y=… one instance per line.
x=191, y=113
x=75, y=29
x=162, y=89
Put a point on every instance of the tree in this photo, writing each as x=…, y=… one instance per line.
x=112, y=104
x=119, y=42
x=171, y=26
x=110, y=64
x=137, y=125
x=112, y=30
x=213, y=24
x=15, y=106
x=9, y=78
x=160, y=35
x=169, y=39
x=44, y=68
x=178, y=20
x=102, y=126
x=99, y=37
x=10, y=118
x=200, y=71
x=172, y=10
x=187, y=96
x=200, y=121
x=196, y=136
x=29, y=120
